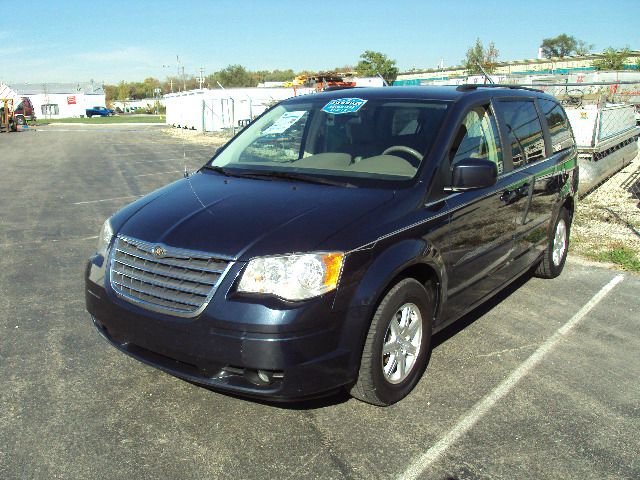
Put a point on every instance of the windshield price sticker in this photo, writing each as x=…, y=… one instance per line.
x=284, y=123
x=344, y=105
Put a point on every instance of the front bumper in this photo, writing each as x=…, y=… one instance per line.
x=263, y=355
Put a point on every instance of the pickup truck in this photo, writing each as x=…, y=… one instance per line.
x=99, y=111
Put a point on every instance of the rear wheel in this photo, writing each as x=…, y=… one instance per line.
x=397, y=346
x=555, y=255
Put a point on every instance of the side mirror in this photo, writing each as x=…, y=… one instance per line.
x=473, y=173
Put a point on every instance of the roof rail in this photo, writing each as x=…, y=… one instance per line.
x=471, y=86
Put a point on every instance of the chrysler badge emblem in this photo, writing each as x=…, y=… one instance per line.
x=158, y=251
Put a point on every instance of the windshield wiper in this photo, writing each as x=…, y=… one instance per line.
x=297, y=177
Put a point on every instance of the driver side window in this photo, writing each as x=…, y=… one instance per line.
x=477, y=137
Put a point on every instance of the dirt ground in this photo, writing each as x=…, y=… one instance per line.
x=196, y=137
x=609, y=217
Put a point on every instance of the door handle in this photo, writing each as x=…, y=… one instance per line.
x=510, y=195
x=522, y=190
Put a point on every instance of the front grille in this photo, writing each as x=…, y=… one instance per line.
x=163, y=278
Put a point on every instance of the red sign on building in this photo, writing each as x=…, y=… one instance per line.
x=71, y=100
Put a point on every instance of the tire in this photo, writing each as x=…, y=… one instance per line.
x=555, y=254
x=20, y=120
x=379, y=381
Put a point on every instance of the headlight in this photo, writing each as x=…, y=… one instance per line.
x=104, y=238
x=293, y=277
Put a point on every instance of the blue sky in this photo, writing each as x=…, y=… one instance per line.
x=68, y=41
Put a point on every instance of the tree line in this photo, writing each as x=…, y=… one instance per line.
x=560, y=47
x=237, y=76
x=371, y=63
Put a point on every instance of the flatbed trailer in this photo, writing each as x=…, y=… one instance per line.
x=607, y=141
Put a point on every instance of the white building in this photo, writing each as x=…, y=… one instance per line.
x=217, y=109
x=61, y=100
x=212, y=110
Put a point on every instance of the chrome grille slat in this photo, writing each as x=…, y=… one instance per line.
x=178, y=286
x=177, y=281
x=150, y=293
x=172, y=262
x=169, y=273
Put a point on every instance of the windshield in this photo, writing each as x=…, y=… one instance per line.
x=348, y=138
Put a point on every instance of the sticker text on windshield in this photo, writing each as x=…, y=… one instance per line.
x=343, y=105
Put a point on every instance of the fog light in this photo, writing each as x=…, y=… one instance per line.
x=262, y=375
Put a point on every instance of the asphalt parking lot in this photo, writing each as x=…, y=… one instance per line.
x=540, y=383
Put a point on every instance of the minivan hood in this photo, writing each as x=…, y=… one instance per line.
x=241, y=218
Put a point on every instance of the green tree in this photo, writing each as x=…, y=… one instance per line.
x=612, y=59
x=124, y=91
x=478, y=55
x=376, y=63
x=583, y=48
x=564, y=45
x=111, y=93
x=232, y=76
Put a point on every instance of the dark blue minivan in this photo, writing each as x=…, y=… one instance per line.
x=325, y=244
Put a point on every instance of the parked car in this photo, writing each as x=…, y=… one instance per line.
x=99, y=111
x=334, y=235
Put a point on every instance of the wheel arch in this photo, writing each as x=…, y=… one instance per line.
x=410, y=258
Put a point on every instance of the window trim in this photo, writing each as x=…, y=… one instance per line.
x=542, y=125
x=545, y=124
x=470, y=107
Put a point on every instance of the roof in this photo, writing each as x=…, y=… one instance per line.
x=371, y=93
x=446, y=93
x=51, y=88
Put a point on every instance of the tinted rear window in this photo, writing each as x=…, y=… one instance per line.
x=559, y=127
x=523, y=129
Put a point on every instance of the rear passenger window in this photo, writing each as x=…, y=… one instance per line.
x=523, y=130
x=559, y=126
x=477, y=137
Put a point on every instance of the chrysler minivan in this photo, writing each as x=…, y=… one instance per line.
x=323, y=246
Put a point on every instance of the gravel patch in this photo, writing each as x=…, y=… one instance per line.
x=197, y=137
x=607, y=217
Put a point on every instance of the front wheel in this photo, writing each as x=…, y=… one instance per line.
x=555, y=254
x=396, y=350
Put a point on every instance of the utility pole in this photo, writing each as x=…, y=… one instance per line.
x=177, y=66
x=201, y=77
x=170, y=79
